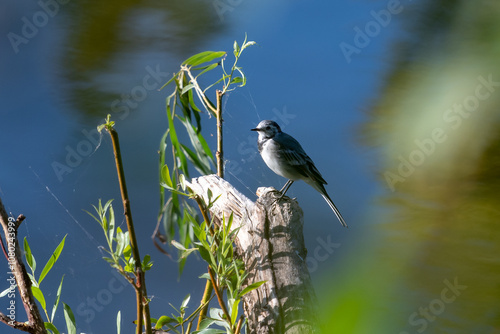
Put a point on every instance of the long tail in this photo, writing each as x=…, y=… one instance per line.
x=334, y=208
x=321, y=189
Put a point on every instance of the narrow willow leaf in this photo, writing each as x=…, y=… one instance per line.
x=205, y=323
x=70, y=319
x=251, y=287
x=111, y=225
x=187, y=88
x=175, y=141
x=169, y=81
x=208, y=68
x=236, y=48
x=201, y=165
x=236, y=80
x=211, y=331
x=234, y=311
x=51, y=327
x=119, y=322
x=56, y=303
x=247, y=44
x=37, y=293
x=165, y=176
x=178, y=245
x=163, y=321
x=203, y=57
x=7, y=291
x=185, y=301
x=30, y=259
x=53, y=258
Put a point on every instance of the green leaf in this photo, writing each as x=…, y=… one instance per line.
x=178, y=245
x=236, y=80
x=169, y=81
x=119, y=322
x=122, y=241
x=51, y=327
x=203, y=57
x=127, y=252
x=234, y=311
x=201, y=165
x=165, y=176
x=184, y=252
x=187, y=88
x=206, y=255
x=205, y=276
x=185, y=302
x=70, y=319
x=30, y=259
x=247, y=44
x=236, y=49
x=203, y=161
x=210, y=331
x=56, y=303
x=147, y=263
x=208, y=68
x=251, y=287
x=111, y=225
x=6, y=292
x=163, y=321
x=37, y=293
x=175, y=141
x=52, y=260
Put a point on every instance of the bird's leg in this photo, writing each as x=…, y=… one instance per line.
x=285, y=188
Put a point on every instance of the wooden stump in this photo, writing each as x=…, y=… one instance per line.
x=271, y=244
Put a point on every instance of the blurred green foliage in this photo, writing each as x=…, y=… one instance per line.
x=430, y=261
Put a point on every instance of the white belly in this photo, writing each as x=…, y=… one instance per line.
x=276, y=163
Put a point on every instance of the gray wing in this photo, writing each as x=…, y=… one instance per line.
x=294, y=154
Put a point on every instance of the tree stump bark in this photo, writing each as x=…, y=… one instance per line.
x=271, y=244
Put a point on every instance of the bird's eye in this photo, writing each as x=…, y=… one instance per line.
x=268, y=127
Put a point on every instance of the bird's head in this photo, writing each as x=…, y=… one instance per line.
x=267, y=129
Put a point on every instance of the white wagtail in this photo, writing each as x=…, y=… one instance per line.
x=284, y=155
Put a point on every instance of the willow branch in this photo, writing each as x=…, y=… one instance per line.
x=35, y=323
x=218, y=293
x=220, y=151
x=143, y=315
x=239, y=325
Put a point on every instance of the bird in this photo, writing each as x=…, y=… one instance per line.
x=284, y=155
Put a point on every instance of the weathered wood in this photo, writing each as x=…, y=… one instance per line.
x=35, y=324
x=271, y=244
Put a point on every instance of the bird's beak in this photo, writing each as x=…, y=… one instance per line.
x=254, y=129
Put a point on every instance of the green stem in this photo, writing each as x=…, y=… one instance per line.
x=143, y=316
x=220, y=151
x=218, y=293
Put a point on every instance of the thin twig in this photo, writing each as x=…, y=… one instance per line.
x=218, y=294
x=239, y=325
x=220, y=151
x=201, y=95
x=207, y=294
x=35, y=323
x=143, y=316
